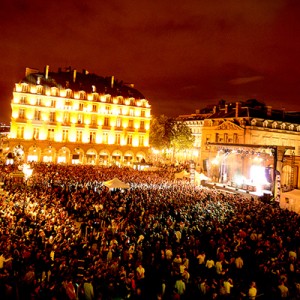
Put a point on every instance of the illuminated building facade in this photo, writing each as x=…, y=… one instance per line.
x=241, y=142
x=251, y=143
x=78, y=117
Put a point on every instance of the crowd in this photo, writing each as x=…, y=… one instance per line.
x=64, y=235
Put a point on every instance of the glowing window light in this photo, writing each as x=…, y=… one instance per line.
x=32, y=101
x=103, y=98
x=33, y=89
x=147, y=126
x=18, y=88
x=62, y=93
x=32, y=158
x=111, y=139
x=135, y=142
x=115, y=100
x=90, y=97
x=137, y=113
x=29, y=115
x=61, y=159
x=15, y=114
x=127, y=101
x=45, y=117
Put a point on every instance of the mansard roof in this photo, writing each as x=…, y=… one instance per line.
x=253, y=109
x=83, y=81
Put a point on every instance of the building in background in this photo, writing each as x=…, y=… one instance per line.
x=77, y=117
x=252, y=146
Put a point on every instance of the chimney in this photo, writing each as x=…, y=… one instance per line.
x=74, y=75
x=269, y=110
x=237, y=109
x=29, y=71
x=226, y=108
x=214, y=109
x=112, y=82
x=46, y=72
x=197, y=111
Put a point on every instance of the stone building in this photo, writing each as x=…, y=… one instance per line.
x=243, y=141
x=77, y=117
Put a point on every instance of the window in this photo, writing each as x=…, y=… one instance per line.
x=225, y=137
x=142, y=125
x=131, y=112
x=106, y=122
x=92, y=137
x=52, y=116
x=93, y=119
x=141, y=140
x=217, y=137
x=20, y=132
x=65, y=135
x=66, y=117
x=235, y=138
x=24, y=88
x=23, y=100
x=94, y=108
x=37, y=115
x=129, y=139
x=36, y=133
x=82, y=95
x=69, y=93
x=50, y=134
x=107, y=109
x=143, y=113
x=80, y=119
x=130, y=123
x=53, y=103
x=22, y=113
x=119, y=122
x=80, y=106
x=78, y=136
x=105, y=138
x=68, y=104
x=39, y=90
x=38, y=101
x=118, y=139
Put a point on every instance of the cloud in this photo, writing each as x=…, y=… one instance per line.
x=245, y=80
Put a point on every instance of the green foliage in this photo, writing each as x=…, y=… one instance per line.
x=166, y=133
x=181, y=137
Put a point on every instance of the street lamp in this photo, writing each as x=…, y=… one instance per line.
x=27, y=173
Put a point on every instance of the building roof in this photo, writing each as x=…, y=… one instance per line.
x=254, y=109
x=82, y=81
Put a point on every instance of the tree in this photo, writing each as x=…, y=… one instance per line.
x=160, y=132
x=181, y=137
x=170, y=134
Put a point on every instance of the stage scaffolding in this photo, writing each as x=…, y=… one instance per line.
x=231, y=165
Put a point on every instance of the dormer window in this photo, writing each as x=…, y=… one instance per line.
x=253, y=122
x=291, y=127
x=265, y=123
x=274, y=125
x=283, y=126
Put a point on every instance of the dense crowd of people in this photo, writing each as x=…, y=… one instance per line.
x=64, y=235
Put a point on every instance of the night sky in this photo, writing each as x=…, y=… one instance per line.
x=182, y=55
